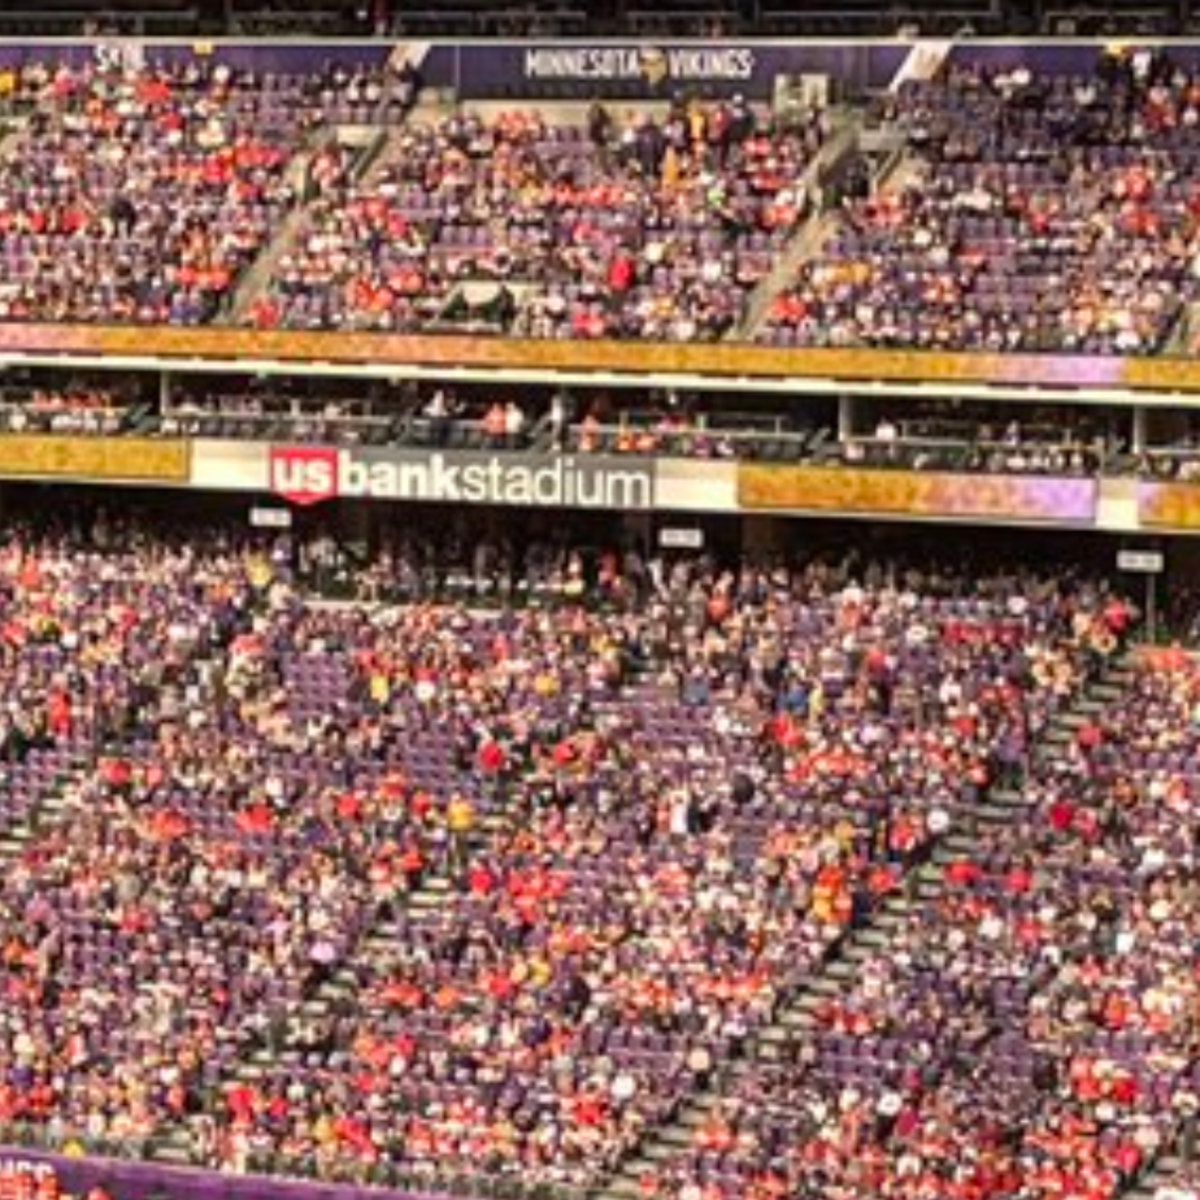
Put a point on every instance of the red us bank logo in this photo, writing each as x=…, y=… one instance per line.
x=304, y=474
x=309, y=474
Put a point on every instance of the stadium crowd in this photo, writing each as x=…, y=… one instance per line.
x=637, y=226
x=655, y=816
x=142, y=194
x=1034, y=1035
x=1044, y=213
x=1033, y=212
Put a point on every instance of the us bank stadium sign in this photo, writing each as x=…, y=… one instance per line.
x=310, y=474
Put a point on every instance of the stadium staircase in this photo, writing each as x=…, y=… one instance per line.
x=812, y=234
x=380, y=934
x=375, y=151
x=16, y=836
x=1182, y=340
x=923, y=887
x=819, y=229
x=254, y=283
x=804, y=247
x=255, y=280
x=1166, y=1166
x=14, y=132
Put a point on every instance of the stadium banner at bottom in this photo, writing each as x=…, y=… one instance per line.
x=916, y=493
x=28, y=1174
x=1169, y=505
x=128, y=459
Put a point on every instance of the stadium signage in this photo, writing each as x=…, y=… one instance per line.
x=651, y=64
x=27, y=1179
x=308, y=475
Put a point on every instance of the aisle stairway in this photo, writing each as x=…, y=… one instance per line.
x=375, y=148
x=1165, y=1168
x=42, y=777
x=923, y=887
x=175, y=1147
x=816, y=233
x=255, y=282
x=811, y=236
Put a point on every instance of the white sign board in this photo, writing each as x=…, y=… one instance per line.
x=675, y=538
x=1140, y=562
x=270, y=518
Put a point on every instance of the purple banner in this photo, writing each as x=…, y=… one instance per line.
x=283, y=59
x=650, y=70
x=517, y=70
x=583, y=70
x=150, y=1181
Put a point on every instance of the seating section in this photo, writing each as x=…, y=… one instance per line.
x=1027, y=1037
x=400, y=895
x=142, y=203
x=644, y=229
x=1032, y=213
x=246, y=819
x=680, y=847
x=142, y=195
x=1045, y=213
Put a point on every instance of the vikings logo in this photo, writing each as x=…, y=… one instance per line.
x=654, y=65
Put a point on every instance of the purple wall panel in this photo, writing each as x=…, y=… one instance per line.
x=141, y=1181
x=512, y=69
x=505, y=70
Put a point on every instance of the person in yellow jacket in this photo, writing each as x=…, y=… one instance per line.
x=670, y=170
x=460, y=822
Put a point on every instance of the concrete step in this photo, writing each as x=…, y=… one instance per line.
x=695, y=1116
x=868, y=939
x=830, y=984
x=986, y=814
x=796, y=1022
x=674, y=1140
x=624, y=1189
x=1073, y=718
x=1005, y=798
x=806, y=1002
x=958, y=842
x=658, y=1151
x=173, y=1154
